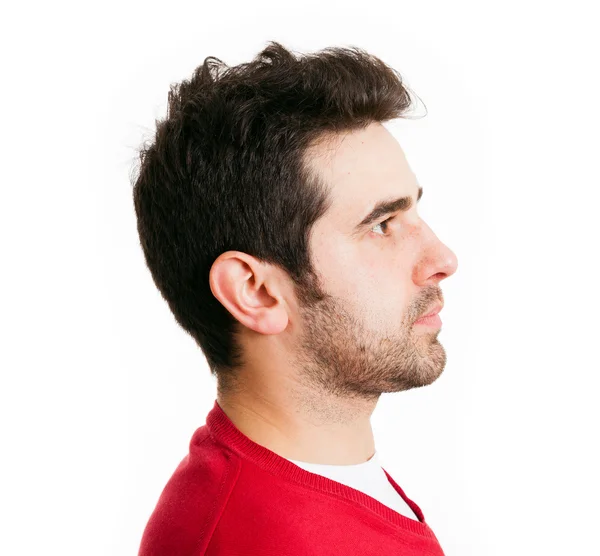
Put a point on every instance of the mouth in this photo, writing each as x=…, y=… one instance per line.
x=432, y=318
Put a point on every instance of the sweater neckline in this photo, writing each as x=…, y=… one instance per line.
x=223, y=430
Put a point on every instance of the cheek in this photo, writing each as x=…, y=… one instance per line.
x=367, y=277
x=373, y=290
x=386, y=269
x=381, y=287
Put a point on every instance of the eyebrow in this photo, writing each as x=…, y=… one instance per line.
x=382, y=208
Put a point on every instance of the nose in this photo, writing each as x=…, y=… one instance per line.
x=436, y=263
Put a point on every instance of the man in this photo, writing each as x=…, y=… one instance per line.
x=279, y=220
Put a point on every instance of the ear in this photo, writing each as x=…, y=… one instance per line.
x=250, y=291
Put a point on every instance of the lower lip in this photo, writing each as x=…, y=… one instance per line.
x=433, y=320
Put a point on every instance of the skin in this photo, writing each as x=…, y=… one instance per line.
x=314, y=371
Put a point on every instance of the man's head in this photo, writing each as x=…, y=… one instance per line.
x=249, y=205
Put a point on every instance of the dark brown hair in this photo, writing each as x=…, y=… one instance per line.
x=226, y=171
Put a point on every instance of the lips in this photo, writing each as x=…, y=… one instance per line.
x=434, y=311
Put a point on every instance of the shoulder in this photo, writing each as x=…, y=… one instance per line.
x=192, y=501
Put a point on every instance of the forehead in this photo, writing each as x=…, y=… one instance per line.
x=361, y=168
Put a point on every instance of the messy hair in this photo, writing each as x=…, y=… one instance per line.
x=227, y=169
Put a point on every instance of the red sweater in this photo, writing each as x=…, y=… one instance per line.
x=232, y=496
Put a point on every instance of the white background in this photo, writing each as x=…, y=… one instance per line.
x=101, y=390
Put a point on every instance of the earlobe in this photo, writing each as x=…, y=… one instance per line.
x=270, y=320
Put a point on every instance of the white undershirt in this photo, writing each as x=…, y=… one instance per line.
x=367, y=477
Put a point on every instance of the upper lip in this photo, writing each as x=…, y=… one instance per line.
x=434, y=311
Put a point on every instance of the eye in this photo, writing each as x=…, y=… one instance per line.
x=383, y=224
